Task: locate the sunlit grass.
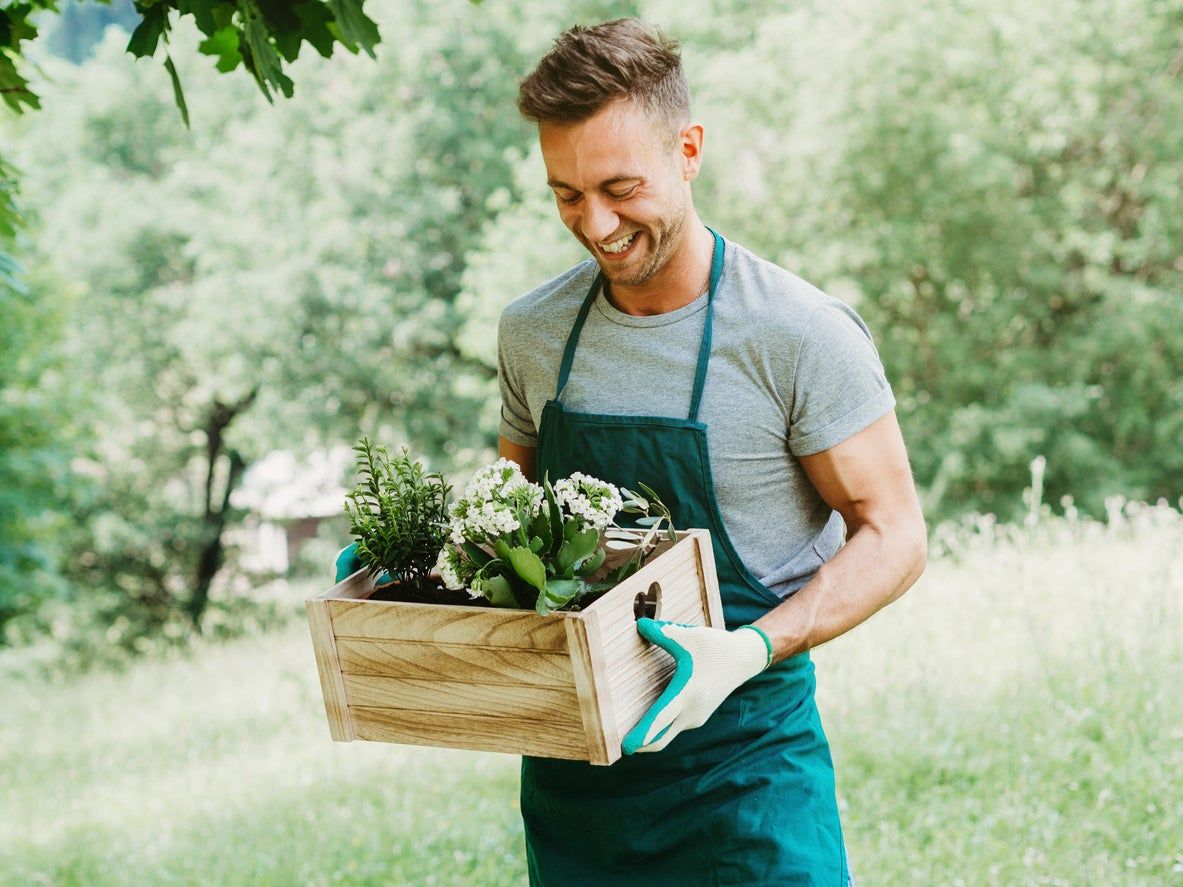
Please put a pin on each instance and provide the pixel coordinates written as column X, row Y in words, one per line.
column 1015, row 719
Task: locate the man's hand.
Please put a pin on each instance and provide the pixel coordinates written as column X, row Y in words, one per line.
column 709, row 664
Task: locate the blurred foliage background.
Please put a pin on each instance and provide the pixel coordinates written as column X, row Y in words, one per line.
column 996, row 188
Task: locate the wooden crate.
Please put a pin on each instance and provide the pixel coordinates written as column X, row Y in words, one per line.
column 565, row 685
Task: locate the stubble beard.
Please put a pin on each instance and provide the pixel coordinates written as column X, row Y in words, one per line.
column 664, row 237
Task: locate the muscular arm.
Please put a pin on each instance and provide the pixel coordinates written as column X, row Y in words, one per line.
column 524, row 456
column 867, row 480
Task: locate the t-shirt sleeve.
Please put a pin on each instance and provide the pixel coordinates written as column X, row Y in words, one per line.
column 839, row 387
column 516, row 424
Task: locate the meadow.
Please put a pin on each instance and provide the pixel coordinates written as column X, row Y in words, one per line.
column 1015, row 719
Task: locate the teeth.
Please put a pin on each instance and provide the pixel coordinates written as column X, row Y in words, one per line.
column 619, row 246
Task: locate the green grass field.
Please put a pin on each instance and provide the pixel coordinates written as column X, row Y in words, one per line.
column 1016, row 719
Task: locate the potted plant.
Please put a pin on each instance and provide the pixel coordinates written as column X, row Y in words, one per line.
column 398, row 515
column 533, row 546
column 542, row 656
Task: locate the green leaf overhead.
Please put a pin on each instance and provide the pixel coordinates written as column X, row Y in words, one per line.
column 223, row 45
column 356, row 27
column 178, row 94
column 146, row 37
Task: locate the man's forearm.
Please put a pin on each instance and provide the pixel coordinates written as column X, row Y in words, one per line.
column 876, row 566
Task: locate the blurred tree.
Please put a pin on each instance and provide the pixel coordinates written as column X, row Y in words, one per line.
column 998, row 193
column 260, row 36
column 32, row 424
column 277, row 278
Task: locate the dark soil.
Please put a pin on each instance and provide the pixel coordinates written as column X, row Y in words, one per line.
column 435, row 592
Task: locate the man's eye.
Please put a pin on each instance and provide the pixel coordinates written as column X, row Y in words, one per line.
column 622, row 195
column 568, row 198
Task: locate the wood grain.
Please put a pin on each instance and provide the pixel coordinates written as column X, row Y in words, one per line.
column 456, row 662
column 638, row 671
column 358, row 585
column 567, row 685
column 453, row 697
column 518, row 629
column 595, row 697
column 509, row 735
column 712, row 603
column 328, row 667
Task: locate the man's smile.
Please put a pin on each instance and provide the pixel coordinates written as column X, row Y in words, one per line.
column 617, row 248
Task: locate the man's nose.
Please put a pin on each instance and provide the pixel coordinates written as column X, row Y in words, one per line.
column 599, row 221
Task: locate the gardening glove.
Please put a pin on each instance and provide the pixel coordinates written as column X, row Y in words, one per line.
column 348, row 563
column 709, row 663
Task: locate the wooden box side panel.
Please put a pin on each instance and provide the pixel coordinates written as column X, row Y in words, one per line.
column 328, row 666
column 355, row 586
column 595, row 694
column 402, row 695
column 455, row 662
column 541, row 738
column 463, row 696
column 445, row 624
column 636, row 670
column 712, row 602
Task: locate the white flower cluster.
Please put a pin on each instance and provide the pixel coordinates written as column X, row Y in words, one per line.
column 449, row 567
column 589, row 498
column 494, row 503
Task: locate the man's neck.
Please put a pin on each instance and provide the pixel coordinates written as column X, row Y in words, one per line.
column 683, row 279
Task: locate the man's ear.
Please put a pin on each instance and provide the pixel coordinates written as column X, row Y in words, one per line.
column 690, row 146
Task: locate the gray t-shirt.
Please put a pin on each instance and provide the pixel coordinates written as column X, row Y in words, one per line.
column 792, row 372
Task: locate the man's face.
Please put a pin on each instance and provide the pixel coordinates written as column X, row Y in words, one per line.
column 622, row 188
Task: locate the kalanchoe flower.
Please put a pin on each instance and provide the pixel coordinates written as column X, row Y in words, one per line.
column 450, row 568
column 591, row 499
column 497, row 501
column 516, row 544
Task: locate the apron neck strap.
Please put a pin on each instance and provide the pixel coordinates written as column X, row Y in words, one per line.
column 704, row 348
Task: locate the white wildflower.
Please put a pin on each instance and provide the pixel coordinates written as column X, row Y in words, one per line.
column 448, row 564
column 496, row 501
column 589, row 498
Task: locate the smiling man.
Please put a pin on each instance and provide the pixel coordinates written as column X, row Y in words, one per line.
column 756, row 406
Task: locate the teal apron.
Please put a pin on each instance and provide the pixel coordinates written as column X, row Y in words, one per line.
column 747, row 798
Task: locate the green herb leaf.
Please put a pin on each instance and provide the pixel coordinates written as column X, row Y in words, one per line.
column 524, row 562
column 540, row 527
column 476, row 554
column 558, row 593
column 499, row 592
column 580, row 546
column 556, row 516
column 593, row 563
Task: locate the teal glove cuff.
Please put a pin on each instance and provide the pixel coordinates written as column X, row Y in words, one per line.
column 348, row 563
column 767, row 641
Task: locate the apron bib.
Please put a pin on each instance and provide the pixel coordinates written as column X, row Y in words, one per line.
column 746, row 799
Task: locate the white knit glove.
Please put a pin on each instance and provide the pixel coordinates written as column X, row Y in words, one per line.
column 709, row 663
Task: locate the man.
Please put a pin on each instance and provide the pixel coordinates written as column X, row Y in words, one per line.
column 756, row 406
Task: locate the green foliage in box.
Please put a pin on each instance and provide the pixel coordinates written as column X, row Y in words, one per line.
column 399, row 515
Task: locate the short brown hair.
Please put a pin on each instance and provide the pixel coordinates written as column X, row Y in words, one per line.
column 591, row 67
